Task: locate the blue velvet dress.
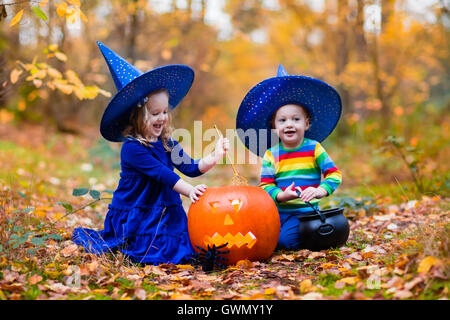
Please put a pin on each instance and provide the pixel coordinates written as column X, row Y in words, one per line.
column 146, row 220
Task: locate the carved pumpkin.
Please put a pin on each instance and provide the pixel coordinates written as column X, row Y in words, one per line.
column 245, row 217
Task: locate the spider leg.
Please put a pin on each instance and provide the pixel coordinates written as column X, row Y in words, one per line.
column 201, row 249
column 222, row 246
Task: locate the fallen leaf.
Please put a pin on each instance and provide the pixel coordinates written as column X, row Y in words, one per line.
column 185, row 266
column 35, row 278
column 140, row 293
column 15, row 287
column 344, row 281
column 355, row 256
column 69, row 250
column 177, row 296
column 428, row 262
column 314, row 255
column 244, row 264
column 306, row 286
column 312, row 296
column 411, row 284
column 403, row 294
column 270, row 291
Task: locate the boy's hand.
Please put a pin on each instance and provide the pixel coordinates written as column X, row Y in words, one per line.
column 288, row 194
column 222, row 146
column 196, row 192
column 313, row 193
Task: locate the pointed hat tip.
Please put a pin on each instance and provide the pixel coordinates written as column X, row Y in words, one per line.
column 281, row 72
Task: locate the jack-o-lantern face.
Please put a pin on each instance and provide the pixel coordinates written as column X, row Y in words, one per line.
column 244, row 217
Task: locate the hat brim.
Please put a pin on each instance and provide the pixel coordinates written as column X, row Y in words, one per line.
column 176, row 79
column 320, row 99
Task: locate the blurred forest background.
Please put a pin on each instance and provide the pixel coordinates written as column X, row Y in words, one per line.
column 388, row 59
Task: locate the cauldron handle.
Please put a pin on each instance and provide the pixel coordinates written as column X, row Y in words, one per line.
column 321, row 216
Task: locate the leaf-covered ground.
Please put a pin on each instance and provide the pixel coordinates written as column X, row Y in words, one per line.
column 396, row 249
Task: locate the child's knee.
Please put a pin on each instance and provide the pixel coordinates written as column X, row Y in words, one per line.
column 289, row 235
column 290, row 242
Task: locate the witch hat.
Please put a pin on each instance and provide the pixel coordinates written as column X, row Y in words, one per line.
column 133, row 86
column 320, row 99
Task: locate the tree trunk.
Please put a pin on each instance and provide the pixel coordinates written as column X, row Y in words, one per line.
column 342, row 52
column 379, row 91
column 361, row 50
column 387, row 11
column 134, row 26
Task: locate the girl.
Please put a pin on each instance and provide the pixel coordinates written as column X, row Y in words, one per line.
column 146, row 220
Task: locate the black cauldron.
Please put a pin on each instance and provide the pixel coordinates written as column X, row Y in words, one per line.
column 323, row 229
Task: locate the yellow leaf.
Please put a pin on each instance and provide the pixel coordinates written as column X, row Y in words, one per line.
column 16, row 18
column 53, row 47
column 350, row 280
column 428, row 262
column 15, row 74
column 100, row 291
column 306, row 286
column 327, row 265
column 185, row 266
column 71, row 15
column 90, row 92
column 61, row 9
column 270, row 291
column 75, row 3
column 61, row 56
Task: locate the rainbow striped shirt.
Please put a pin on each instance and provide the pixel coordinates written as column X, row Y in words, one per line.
column 304, row 166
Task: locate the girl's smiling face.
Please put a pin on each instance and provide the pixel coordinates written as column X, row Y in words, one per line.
column 291, row 122
column 157, row 114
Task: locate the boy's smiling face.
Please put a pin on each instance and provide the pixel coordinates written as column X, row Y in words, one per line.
column 291, row 122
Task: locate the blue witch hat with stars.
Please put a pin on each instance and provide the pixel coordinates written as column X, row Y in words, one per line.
column 320, row 99
column 133, row 86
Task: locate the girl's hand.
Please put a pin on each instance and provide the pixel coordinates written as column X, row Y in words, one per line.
column 313, row 193
column 196, row 192
column 222, row 146
column 288, row 194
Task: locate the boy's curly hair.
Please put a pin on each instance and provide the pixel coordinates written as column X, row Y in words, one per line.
column 138, row 121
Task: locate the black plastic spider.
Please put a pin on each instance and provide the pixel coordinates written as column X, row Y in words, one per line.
column 210, row 258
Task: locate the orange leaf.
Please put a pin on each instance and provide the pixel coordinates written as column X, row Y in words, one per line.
column 16, row 18
column 69, row 250
column 15, row 74
column 35, row 278
column 244, row 264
